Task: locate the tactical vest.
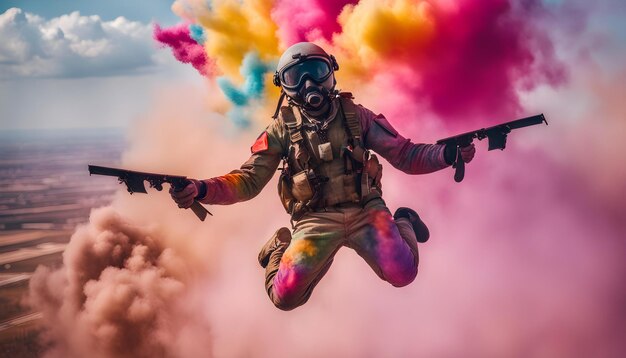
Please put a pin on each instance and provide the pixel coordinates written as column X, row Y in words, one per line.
column 326, row 168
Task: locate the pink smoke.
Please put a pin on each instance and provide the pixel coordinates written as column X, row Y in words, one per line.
column 307, row 20
column 184, row 48
column 484, row 53
column 481, row 56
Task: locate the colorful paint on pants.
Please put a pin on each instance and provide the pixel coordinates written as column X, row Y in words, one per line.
column 390, row 248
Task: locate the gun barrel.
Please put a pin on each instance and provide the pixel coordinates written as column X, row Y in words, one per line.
column 466, row 138
column 462, row 139
column 98, row 170
column 524, row 122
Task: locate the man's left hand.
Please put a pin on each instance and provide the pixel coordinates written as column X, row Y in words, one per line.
column 467, row 153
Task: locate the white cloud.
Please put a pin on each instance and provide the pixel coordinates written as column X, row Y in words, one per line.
column 73, row 45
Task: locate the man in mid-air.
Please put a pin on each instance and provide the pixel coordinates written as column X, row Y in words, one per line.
column 330, row 182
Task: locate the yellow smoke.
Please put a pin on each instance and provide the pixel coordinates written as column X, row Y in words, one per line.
column 382, row 30
column 189, row 10
column 235, row 28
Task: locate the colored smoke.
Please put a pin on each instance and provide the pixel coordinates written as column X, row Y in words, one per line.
column 233, row 29
column 461, row 60
column 253, row 71
column 307, row 20
column 185, row 48
column 197, row 33
column 458, row 61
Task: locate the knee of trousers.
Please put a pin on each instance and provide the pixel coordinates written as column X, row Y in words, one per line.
column 287, row 303
column 403, row 277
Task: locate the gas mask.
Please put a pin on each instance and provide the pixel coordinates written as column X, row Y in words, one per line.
column 308, row 82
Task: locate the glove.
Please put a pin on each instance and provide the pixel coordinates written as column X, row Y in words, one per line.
column 185, row 197
column 467, row 153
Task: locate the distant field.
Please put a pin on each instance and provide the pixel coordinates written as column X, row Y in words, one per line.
column 45, row 191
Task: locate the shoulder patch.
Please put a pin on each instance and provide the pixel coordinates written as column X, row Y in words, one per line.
column 386, row 126
column 261, row 144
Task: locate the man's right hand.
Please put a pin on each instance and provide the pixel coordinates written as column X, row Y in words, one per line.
column 185, row 197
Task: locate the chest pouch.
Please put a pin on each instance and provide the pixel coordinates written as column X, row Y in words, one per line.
column 325, row 152
column 372, row 175
column 302, row 188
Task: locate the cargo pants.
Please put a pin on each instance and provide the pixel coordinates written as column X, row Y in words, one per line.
column 388, row 246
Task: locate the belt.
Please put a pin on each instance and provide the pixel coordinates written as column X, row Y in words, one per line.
column 346, row 205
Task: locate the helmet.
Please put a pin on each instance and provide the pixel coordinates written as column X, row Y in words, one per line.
column 306, row 61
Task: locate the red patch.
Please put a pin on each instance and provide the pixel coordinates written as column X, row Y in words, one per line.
column 261, row 144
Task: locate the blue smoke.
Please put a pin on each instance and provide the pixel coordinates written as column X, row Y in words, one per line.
column 240, row 116
column 253, row 71
column 197, row 33
column 234, row 94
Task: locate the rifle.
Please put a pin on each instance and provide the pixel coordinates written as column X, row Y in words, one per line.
column 135, row 183
column 496, row 135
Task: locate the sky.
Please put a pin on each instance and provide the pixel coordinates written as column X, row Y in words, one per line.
column 525, row 256
column 77, row 64
column 141, row 10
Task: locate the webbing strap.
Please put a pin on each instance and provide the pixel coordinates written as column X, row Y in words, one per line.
column 293, row 125
column 354, row 127
column 293, row 122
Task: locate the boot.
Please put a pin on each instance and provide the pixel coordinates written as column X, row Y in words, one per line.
column 281, row 237
column 421, row 231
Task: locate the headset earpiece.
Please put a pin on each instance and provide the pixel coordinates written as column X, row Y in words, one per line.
column 276, row 79
column 334, row 63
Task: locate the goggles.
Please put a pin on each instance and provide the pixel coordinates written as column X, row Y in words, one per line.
column 295, row 75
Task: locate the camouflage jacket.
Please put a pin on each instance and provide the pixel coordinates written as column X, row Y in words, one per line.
column 273, row 144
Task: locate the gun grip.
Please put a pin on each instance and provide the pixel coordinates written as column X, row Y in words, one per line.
column 459, row 166
column 199, row 210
